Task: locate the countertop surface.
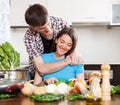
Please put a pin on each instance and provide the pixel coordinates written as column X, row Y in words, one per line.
column 24, row 100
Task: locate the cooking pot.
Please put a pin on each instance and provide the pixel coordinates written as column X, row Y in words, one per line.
column 18, row 74
column 12, row 81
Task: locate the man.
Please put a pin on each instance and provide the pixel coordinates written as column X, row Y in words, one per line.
column 40, row 36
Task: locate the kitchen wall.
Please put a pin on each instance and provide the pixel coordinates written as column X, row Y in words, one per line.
column 96, row 44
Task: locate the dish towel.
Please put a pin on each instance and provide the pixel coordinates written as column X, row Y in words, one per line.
column 4, row 20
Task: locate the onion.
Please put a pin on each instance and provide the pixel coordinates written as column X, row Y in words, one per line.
column 80, row 86
column 62, row 88
column 51, row 88
column 28, row 89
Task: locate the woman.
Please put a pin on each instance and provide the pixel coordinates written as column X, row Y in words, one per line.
column 65, row 44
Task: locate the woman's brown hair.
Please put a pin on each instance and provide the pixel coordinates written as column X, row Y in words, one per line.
column 69, row 31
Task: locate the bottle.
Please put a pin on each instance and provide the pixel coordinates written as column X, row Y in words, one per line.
column 95, row 89
column 105, row 70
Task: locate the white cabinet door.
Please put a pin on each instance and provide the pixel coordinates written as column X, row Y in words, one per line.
column 59, row 8
column 18, row 8
column 89, row 10
column 75, row 11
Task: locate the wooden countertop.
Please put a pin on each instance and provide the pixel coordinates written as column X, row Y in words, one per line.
column 24, row 100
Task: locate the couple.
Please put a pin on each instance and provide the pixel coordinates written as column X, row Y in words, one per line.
column 44, row 30
column 64, row 45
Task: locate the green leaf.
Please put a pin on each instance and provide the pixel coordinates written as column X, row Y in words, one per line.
column 1, row 52
column 5, row 63
column 75, row 97
column 9, row 57
column 70, row 83
column 47, row 97
column 3, row 96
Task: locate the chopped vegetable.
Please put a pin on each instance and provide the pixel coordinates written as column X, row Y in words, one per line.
column 115, row 90
column 61, row 81
column 9, row 57
column 76, row 96
column 70, row 83
column 47, row 97
column 3, row 96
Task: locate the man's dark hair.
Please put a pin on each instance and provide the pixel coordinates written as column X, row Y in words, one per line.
column 36, row 15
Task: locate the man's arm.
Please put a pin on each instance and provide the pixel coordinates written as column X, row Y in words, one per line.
column 37, row 79
column 49, row 67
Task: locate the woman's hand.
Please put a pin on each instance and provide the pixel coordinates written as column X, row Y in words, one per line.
column 51, row 80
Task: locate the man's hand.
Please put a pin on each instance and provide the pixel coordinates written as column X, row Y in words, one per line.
column 68, row 60
column 75, row 59
column 51, row 80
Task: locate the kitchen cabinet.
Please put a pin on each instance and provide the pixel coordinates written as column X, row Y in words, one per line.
column 18, row 8
column 81, row 11
column 75, row 11
column 115, row 19
column 90, row 11
column 59, row 8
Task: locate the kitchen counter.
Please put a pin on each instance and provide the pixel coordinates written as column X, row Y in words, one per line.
column 24, row 100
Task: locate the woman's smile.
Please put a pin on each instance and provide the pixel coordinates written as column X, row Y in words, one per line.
column 64, row 44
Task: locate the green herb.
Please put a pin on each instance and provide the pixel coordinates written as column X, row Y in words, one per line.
column 115, row 90
column 76, row 97
column 70, row 83
column 61, row 81
column 3, row 96
column 47, row 97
